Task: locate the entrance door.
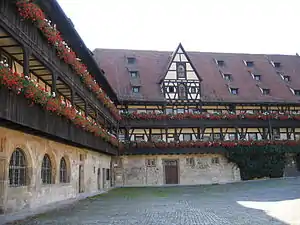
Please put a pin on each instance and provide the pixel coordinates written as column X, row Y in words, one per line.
column 81, row 179
column 171, row 171
column 98, row 179
column 103, row 178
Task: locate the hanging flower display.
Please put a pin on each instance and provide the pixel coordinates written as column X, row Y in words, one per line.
column 31, row 11
column 31, row 90
column 201, row 144
column 211, row 116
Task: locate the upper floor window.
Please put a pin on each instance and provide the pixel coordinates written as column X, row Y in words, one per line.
column 181, row 91
column 265, row 91
column 296, row 92
column 249, row 63
column 256, row 77
column 286, row 78
column 276, row 64
column 234, row 91
column 135, row 89
column 181, row 73
column 171, row 89
column 131, row 60
column 220, row 63
column 227, row 76
column 133, row 74
column 17, row 169
column 193, row 90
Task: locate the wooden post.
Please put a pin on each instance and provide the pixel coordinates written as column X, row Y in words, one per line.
column 26, row 56
column 73, row 93
column 54, row 79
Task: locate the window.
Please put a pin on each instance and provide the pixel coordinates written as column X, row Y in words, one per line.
column 17, row 169
column 169, row 111
column 266, row 91
column 46, row 172
column 217, row 136
column 227, row 76
column 63, row 175
column 107, row 174
column 231, row 136
column 252, row 136
column 276, row 133
column 234, row 91
column 171, row 89
column 135, row 89
column 286, row 78
column 180, row 110
column 296, row 92
column 215, row 160
column 181, row 91
column 256, row 77
column 193, row 90
column 249, row 63
column 187, row 137
column 277, row 64
column 139, row 137
column 156, row 137
column 190, row 162
column 131, row 60
column 133, row 74
column 220, row 63
column 150, row 162
column 180, row 70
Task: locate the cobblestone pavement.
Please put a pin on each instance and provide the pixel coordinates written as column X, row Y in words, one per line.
column 254, row 203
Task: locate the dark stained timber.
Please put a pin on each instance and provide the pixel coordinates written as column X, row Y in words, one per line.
column 187, row 123
column 16, row 113
column 25, row 33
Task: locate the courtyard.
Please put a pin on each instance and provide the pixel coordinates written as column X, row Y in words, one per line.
column 259, row 202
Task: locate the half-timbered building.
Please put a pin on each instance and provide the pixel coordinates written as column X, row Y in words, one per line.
column 58, row 121
column 203, row 118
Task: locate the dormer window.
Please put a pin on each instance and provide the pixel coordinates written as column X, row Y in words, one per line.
column 249, row 63
column 296, row 92
column 220, row 63
column 265, row 91
column 227, row 76
column 131, row 60
column 256, row 77
column 234, row 91
column 135, row 89
column 133, row 74
column 181, row 73
column 286, row 78
column 276, row 64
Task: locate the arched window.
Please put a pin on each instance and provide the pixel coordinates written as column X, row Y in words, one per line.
column 181, row 91
column 63, row 172
column 46, row 173
column 17, row 169
column 180, row 71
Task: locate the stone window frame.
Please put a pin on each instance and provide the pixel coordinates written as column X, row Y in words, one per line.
column 215, row 160
column 18, row 167
column 150, row 162
column 63, row 171
column 190, row 161
column 47, row 170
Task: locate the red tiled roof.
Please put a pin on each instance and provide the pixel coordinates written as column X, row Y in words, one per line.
column 152, row 66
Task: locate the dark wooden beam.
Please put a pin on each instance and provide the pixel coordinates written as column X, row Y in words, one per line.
column 26, row 56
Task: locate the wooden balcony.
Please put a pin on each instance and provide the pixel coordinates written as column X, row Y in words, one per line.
column 27, row 35
column 188, row 123
column 16, row 113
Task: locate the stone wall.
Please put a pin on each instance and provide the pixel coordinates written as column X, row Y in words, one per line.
column 36, row 193
column 192, row 170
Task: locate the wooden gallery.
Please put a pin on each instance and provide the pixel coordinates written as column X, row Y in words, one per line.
column 74, row 121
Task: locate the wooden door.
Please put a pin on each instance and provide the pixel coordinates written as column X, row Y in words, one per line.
column 81, row 179
column 171, row 171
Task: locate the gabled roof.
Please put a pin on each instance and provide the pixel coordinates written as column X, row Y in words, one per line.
column 152, row 66
column 172, row 59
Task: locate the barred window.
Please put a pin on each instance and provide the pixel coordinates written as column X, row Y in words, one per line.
column 17, row 169
column 46, row 173
column 63, row 173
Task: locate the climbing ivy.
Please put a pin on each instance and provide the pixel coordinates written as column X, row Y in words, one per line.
column 260, row 161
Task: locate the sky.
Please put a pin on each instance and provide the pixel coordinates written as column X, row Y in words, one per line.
column 238, row 26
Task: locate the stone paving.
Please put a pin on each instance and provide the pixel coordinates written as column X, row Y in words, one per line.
column 250, row 203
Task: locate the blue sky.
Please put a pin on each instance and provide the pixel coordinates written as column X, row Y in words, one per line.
column 246, row 26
